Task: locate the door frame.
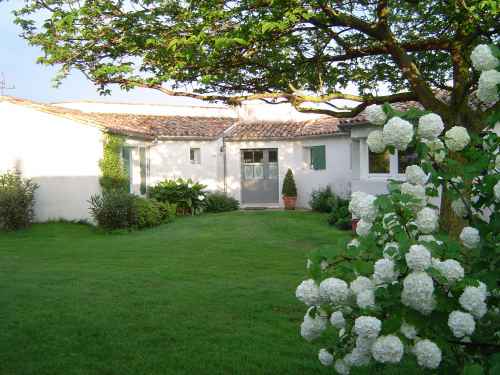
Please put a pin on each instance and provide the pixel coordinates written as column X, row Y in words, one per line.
column 265, row 172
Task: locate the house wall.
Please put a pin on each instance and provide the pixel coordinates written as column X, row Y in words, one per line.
column 291, row 154
column 171, row 160
column 59, row 154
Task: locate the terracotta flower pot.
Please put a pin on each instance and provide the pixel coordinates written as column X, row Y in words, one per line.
column 289, row 202
column 354, row 224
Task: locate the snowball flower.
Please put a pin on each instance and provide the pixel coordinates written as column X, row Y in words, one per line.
column 353, row 243
column 354, row 204
column 418, row 289
column 416, row 175
column 391, row 250
column 375, row 142
column 337, row 319
column 416, row 191
column 459, row 208
column 398, row 133
column 308, row 292
column 483, row 59
column 408, row 331
column 487, row 90
column 451, row 270
column 201, row 197
column 367, row 326
column 427, row 220
column 325, row 357
column 363, row 228
column 358, row 357
column 457, row 138
column 430, row 126
column 311, row 328
column 341, row 367
column 366, row 209
column 418, row 258
column 375, row 114
column 334, row 290
column 361, row 283
column 470, row 237
column 461, row 324
column 436, row 150
column 428, row 354
column 384, row 272
column 388, row 349
column 473, row 301
column 366, row 299
column 496, row 190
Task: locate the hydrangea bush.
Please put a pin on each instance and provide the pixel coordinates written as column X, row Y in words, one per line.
column 396, row 295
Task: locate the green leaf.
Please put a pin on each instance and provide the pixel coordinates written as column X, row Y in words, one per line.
column 473, row 369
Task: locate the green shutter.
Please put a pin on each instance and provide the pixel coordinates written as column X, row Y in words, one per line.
column 318, row 157
column 126, row 164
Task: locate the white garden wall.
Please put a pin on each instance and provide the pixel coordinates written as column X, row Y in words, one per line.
column 59, row 154
column 291, row 154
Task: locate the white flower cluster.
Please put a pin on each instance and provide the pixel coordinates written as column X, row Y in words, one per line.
column 430, row 126
column 473, row 300
column 337, row 320
column 363, row 228
column 356, row 198
column 461, row 324
column 334, row 291
column 408, row 331
column 398, row 133
column 427, row 220
column 451, row 270
column 487, row 90
column 375, row 141
column 384, row 272
column 388, row 349
column 418, row 258
column 375, row 114
column 483, row 59
column 311, row 328
column 418, row 292
column 436, row 150
column 459, row 208
column 428, row 354
column 308, row 292
column 362, row 206
column 367, row 327
column 325, row 357
column 470, row 237
column 416, row 191
column 457, row 138
column 416, row 175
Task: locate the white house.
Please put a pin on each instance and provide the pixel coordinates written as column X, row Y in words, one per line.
column 244, row 152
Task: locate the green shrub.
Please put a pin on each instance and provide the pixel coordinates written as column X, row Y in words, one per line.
column 17, row 200
column 167, row 211
column 340, row 216
column 113, row 209
column 289, row 188
column 323, row 200
column 221, row 202
column 186, row 194
column 146, row 213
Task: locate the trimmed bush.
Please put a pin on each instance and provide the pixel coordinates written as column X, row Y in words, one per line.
column 186, row 194
column 17, row 201
column 289, row 188
column 146, row 213
column 221, row 202
column 323, row 200
column 113, row 209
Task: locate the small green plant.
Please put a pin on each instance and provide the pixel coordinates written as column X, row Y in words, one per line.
column 113, row 175
column 221, row 202
column 186, row 194
column 340, row 216
column 289, row 188
column 323, row 200
column 17, row 200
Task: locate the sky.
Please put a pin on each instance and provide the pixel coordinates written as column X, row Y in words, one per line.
column 34, row 81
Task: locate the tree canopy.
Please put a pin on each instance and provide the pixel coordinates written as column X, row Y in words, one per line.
column 301, row 51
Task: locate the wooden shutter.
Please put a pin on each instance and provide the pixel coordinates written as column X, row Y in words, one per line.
column 318, row 157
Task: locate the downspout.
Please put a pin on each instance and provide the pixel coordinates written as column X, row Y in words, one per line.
column 224, row 154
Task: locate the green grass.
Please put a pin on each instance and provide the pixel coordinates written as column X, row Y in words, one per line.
column 205, row 295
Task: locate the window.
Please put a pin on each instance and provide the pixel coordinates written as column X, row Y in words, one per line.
column 317, row 157
column 406, row 158
column 143, row 166
column 379, row 163
column 195, row 155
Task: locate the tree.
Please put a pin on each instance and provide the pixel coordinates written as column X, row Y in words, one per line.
column 304, row 52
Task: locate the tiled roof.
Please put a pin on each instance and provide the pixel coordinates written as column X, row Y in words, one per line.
column 144, row 126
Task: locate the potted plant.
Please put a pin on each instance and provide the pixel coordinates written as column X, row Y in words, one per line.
column 289, row 191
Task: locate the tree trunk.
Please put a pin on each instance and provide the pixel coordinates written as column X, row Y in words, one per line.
column 449, row 223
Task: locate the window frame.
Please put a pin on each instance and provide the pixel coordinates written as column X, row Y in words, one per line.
column 308, row 157
column 196, row 153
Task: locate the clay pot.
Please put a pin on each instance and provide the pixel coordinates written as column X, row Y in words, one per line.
column 289, row 202
column 354, row 224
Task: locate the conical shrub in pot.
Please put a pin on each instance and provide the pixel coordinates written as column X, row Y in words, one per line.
column 289, row 191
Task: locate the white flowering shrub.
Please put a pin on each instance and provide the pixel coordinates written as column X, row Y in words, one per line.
column 401, row 293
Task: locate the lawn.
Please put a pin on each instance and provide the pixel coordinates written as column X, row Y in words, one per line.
column 204, row 295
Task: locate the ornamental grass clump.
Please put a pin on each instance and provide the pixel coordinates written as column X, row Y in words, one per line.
column 396, row 295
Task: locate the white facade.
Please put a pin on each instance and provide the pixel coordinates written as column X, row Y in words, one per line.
column 293, row 154
column 59, row 154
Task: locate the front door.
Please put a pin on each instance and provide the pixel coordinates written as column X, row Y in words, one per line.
column 259, row 176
